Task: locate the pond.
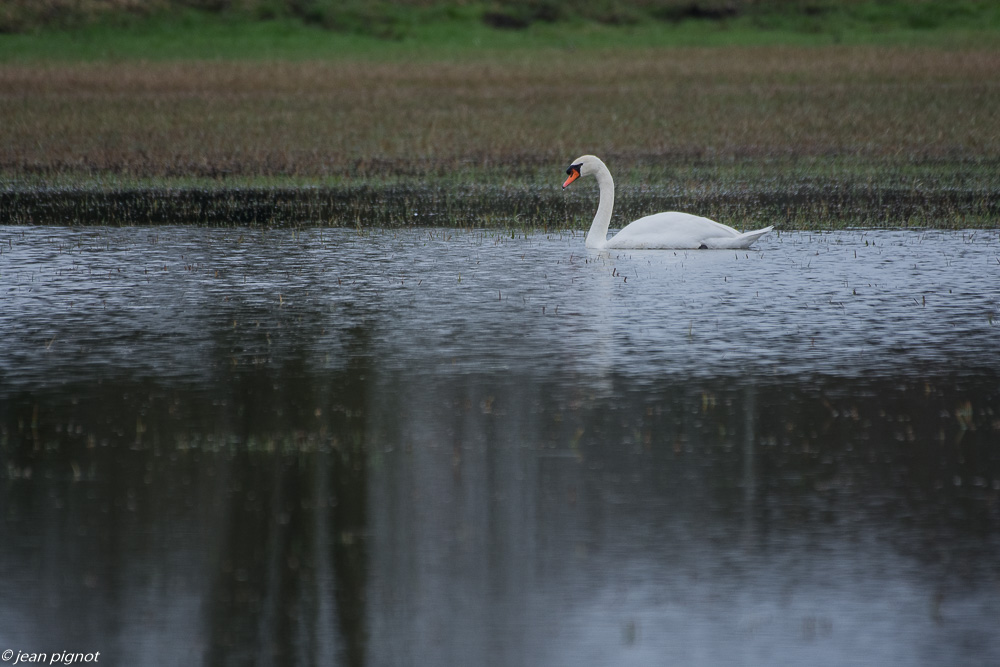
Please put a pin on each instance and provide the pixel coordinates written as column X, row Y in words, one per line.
column 449, row 447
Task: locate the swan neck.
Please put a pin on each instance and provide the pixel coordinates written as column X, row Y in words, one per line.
column 597, row 237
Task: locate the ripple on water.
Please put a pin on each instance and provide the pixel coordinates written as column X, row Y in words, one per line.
column 179, row 300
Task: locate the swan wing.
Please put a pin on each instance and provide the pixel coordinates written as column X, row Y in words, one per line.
column 681, row 231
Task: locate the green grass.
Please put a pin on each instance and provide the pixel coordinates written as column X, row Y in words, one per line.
column 440, row 31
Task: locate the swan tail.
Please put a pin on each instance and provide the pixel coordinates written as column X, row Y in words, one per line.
column 744, row 240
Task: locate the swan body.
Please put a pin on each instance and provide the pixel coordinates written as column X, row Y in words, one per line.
column 660, row 230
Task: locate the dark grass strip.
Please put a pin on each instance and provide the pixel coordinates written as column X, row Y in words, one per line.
column 807, row 206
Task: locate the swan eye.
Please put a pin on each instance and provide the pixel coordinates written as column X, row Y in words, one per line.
column 573, row 168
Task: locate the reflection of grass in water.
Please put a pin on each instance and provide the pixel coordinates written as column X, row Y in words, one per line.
column 718, row 131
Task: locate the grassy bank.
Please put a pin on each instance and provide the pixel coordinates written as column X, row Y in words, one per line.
column 805, row 136
column 195, row 37
column 389, row 29
column 732, row 132
column 362, row 119
column 789, row 203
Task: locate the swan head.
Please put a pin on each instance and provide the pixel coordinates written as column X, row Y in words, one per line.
column 585, row 165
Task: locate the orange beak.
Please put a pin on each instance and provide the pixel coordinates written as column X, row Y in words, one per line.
column 574, row 174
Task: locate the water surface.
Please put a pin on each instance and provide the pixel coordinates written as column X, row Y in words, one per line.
column 445, row 447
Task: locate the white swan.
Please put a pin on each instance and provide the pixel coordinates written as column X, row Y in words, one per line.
column 660, row 230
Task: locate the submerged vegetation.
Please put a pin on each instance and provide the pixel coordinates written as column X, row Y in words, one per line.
column 274, row 112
